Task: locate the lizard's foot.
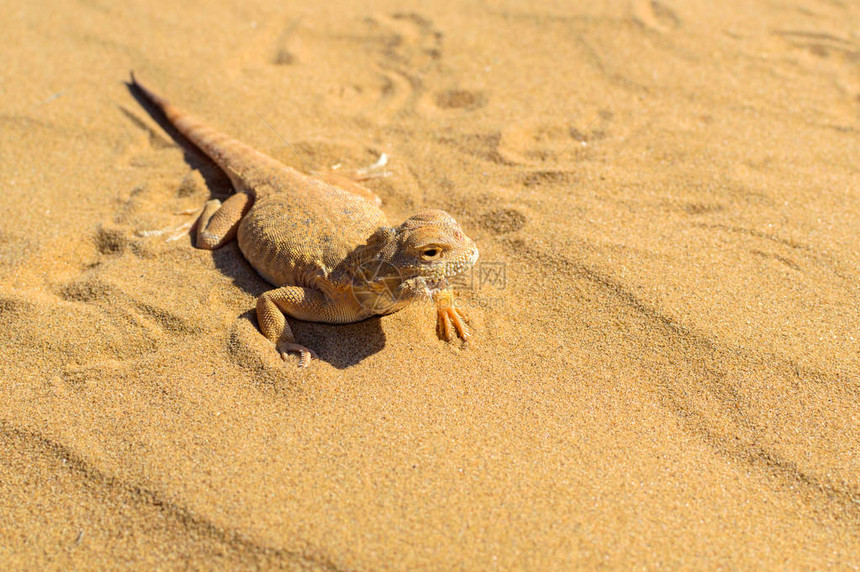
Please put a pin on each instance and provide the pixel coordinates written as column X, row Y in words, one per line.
column 450, row 319
column 305, row 354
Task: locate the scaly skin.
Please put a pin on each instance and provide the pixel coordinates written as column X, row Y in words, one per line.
column 328, row 251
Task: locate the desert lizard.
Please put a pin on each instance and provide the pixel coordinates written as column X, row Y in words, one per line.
column 328, row 251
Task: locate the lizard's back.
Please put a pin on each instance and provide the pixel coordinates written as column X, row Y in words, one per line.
column 300, row 227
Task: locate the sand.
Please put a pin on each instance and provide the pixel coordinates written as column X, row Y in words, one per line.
column 665, row 370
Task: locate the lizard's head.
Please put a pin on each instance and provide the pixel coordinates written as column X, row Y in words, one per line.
column 432, row 246
column 417, row 259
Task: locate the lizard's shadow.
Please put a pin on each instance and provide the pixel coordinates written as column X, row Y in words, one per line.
column 325, row 339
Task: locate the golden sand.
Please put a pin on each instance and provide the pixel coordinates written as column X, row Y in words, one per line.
column 666, row 366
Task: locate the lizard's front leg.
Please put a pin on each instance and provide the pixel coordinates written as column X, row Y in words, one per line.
column 298, row 302
column 218, row 222
column 450, row 318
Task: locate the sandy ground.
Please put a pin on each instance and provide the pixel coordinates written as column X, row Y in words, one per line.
column 665, row 366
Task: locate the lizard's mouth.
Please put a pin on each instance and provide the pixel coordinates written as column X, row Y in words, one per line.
column 434, row 287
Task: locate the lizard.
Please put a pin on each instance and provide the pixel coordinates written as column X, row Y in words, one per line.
column 328, row 251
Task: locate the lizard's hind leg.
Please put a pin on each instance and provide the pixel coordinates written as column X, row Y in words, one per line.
column 298, row 302
column 218, row 222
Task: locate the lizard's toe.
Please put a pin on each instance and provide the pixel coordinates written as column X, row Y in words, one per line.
column 443, row 326
column 461, row 324
column 305, row 354
column 451, row 321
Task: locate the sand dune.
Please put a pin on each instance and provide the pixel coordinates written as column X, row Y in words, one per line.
column 666, row 366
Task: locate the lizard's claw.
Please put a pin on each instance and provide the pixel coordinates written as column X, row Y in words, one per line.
column 450, row 319
column 305, row 354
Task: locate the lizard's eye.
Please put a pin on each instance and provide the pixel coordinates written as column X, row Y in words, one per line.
column 431, row 252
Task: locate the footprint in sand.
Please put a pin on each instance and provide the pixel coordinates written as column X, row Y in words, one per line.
column 451, row 102
column 655, row 16
column 409, row 47
column 503, row 220
column 820, row 44
column 411, row 42
column 460, row 99
column 838, row 58
column 548, row 144
column 402, row 48
column 289, row 45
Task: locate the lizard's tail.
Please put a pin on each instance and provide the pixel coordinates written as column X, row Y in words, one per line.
column 233, row 156
column 172, row 113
